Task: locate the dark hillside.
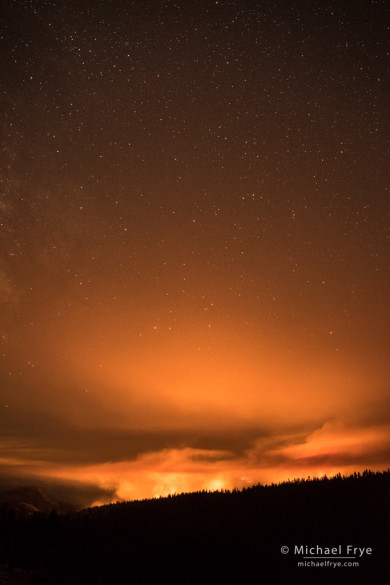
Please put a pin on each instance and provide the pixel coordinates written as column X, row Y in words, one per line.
column 31, row 499
column 219, row 537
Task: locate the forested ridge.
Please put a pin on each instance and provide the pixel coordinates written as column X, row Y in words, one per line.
column 208, row 537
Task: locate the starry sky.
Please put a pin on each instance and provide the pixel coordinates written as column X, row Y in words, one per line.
column 194, row 243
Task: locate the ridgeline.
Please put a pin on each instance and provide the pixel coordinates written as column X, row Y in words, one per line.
column 313, row 531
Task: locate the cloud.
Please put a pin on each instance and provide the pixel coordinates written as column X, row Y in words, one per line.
column 332, row 448
column 56, row 440
column 340, row 444
column 139, row 436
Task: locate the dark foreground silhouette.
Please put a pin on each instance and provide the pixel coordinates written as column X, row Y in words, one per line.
column 203, row 538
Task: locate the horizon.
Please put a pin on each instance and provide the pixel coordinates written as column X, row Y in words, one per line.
column 367, row 473
column 53, row 493
column 295, row 480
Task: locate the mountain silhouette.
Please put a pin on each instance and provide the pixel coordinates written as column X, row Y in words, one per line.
column 32, row 499
column 273, row 535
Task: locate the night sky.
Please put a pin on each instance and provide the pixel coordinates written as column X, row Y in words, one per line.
column 195, row 221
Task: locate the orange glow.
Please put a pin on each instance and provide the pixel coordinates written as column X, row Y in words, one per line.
column 329, row 450
column 173, row 415
column 249, row 382
column 194, row 276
